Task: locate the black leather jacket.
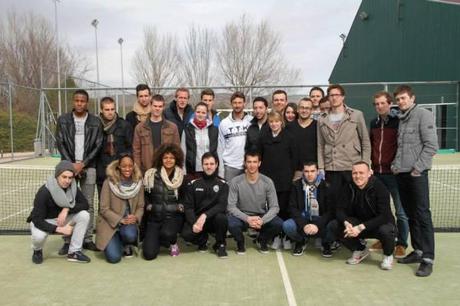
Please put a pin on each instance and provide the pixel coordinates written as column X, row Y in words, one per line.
column 65, row 138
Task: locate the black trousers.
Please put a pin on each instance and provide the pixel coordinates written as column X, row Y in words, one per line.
column 160, row 234
column 386, row 234
column 283, row 202
column 337, row 180
column 217, row 224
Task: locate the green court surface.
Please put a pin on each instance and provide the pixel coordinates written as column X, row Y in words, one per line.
column 202, row 279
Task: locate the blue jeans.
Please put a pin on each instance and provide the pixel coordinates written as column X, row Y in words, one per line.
column 268, row 231
column 126, row 235
column 290, row 229
column 415, row 198
column 402, row 221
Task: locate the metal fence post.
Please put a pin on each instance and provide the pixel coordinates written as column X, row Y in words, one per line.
column 10, row 106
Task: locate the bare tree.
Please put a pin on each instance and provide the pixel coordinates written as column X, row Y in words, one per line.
column 249, row 54
column 28, row 45
column 156, row 62
column 197, row 57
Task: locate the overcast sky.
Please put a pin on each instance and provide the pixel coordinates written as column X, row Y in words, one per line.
column 309, row 29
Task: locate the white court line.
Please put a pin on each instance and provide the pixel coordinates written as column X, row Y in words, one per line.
column 15, row 214
column 12, row 191
column 446, row 185
column 286, row 281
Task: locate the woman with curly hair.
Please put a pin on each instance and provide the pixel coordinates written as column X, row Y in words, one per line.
column 121, row 209
column 164, row 211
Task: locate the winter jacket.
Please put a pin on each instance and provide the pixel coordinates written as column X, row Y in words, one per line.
column 279, row 158
column 170, row 113
column 195, row 142
column 161, row 202
column 370, row 205
column 112, row 209
column 297, row 205
column 65, row 138
column 417, row 141
column 143, row 150
column 338, row 150
column 232, row 138
column 253, row 135
column 123, row 143
column 384, row 142
column 45, row 208
column 206, row 195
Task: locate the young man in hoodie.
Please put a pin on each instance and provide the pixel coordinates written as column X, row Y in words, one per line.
column 205, row 206
column 60, row 208
column 417, row 144
column 364, row 212
column 232, row 138
column 179, row 111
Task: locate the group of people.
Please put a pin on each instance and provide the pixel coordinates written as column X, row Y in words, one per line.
column 310, row 171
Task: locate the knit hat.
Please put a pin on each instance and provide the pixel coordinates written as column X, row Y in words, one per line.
column 64, row 165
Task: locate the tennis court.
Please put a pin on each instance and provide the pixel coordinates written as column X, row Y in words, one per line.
column 193, row 278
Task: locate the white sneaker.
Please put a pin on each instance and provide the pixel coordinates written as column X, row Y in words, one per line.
column 357, row 257
column 387, row 262
column 277, row 243
column 287, row 245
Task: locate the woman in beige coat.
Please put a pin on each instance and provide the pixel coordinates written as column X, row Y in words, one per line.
column 121, row 209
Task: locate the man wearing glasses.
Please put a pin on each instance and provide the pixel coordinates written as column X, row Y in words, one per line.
column 342, row 139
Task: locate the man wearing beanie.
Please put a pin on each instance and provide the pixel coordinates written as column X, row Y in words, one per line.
column 79, row 137
column 205, row 205
column 60, row 208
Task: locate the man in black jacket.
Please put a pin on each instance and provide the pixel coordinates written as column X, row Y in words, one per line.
column 59, row 208
column 141, row 108
column 117, row 139
column 258, row 124
column 79, row 137
column 205, row 206
column 310, row 209
column 179, row 111
column 364, row 212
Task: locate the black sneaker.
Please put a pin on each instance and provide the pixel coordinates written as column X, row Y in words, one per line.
column 203, row 248
column 128, row 252
column 78, row 256
column 413, row 257
column 335, row 246
column 37, row 257
column 299, row 247
column 326, row 251
column 89, row 245
column 240, row 248
column 221, row 251
column 425, row 269
column 64, row 249
column 263, row 247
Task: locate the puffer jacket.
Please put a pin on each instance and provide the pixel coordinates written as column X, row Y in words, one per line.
column 161, row 202
column 417, row 141
column 65, row 138
column 338, row 150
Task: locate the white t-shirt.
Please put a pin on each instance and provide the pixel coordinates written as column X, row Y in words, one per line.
column 79, row 136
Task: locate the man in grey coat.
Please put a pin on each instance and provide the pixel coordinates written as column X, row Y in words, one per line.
column 417, row 144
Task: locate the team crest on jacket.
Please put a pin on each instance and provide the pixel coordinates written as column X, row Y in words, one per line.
column 215, row 188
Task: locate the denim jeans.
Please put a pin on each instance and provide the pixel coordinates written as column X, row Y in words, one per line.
column 126, row 235
column 268, row 231
column 415, row 199
column 290, row 229
column 402, row 221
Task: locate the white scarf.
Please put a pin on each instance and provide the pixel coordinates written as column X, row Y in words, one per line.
column 174, row 184
column 125, row 192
